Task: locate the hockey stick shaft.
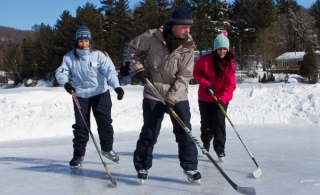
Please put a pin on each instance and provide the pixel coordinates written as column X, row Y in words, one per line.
column 243, row 190
column 112, row 179
column 234, row 128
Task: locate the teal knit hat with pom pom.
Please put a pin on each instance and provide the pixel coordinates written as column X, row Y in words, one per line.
column 221, row 41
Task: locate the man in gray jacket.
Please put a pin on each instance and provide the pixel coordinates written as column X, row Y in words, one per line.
column 169, row 67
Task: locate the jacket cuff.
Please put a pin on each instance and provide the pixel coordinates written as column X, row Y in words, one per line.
column 171, row 102
column 223, row 100
column 138, row 70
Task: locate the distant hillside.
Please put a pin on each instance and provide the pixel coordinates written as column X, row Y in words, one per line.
column 12, row 35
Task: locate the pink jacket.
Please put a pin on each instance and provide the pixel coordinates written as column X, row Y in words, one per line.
column 205, row 76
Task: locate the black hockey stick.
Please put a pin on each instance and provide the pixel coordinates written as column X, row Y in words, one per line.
column 112, row 179
column 242, row 190
column 257, row 173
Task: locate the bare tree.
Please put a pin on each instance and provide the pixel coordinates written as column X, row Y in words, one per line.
column 13, row 61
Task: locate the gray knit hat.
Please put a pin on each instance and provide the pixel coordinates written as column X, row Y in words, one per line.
column 82, row 33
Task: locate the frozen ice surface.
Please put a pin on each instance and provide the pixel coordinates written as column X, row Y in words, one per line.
column 287, row 154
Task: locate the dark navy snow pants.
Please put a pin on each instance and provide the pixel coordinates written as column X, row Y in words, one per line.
column 101, row 107
column 153, row 113
column 213, row 125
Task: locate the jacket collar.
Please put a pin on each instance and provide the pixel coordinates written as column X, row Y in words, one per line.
column 83, row 52
column 188, row 44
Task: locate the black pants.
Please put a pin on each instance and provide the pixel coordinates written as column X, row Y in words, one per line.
column 153, row 113
column 213, row 125
column 101, row 106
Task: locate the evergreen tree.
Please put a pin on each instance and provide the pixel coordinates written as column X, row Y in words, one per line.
column 29, row 56
column 64, row 35
column 315, row 12
column 91, row 17
column 285, row 5
column 43, row 40
column 221, row 14
column 308, row 67
column 264, row 13
column 164, row 12
column 151, row 14
column 118, row 28
column 243, row 14
column 145, row 17
column 179, row 3
column 210, row 17
column 205, row 23
column 109, row 11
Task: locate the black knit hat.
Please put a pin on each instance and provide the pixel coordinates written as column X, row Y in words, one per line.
column 180, row 16
column 82, row 33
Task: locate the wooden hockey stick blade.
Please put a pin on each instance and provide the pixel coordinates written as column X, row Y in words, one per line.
column 114, row 181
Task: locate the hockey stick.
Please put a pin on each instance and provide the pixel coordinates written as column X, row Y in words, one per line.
column 257, row 173
column 242, row 190
column 112, row 179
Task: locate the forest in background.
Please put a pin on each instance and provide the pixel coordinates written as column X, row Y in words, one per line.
column 259, row 31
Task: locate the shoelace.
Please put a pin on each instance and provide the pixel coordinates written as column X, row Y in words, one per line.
column 143, row 171
column 221, row 155
column 192, row 172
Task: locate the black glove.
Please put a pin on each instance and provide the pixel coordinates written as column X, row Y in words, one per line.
column 168, row 106
column 69, row 88
column 120, row 92
column 220, row 102
column 210, row 90
column 142, row 76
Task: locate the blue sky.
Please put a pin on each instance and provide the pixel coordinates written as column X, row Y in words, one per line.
column 23, row 14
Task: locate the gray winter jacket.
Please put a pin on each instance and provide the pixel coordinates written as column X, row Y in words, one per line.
column 169, row 73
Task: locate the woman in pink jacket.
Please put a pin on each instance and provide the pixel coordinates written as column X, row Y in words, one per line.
column 215, row 72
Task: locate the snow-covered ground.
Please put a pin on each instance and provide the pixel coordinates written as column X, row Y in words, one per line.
column 278, row 122
column 34, row 112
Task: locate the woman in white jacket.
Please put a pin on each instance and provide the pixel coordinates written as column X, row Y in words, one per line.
column 90, row 70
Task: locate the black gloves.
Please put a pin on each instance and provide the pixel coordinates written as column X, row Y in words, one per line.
column 210, row 90
column 69, row 88
column 168, row 106
column 142, row 76
column 120, row 92
column 220, row 102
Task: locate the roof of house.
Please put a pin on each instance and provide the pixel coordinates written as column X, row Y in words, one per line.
column 293, row 55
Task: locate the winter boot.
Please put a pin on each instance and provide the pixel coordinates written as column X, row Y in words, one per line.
column 111, row 155
column 142, row 175
column 193, row 176
column 76, row 161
